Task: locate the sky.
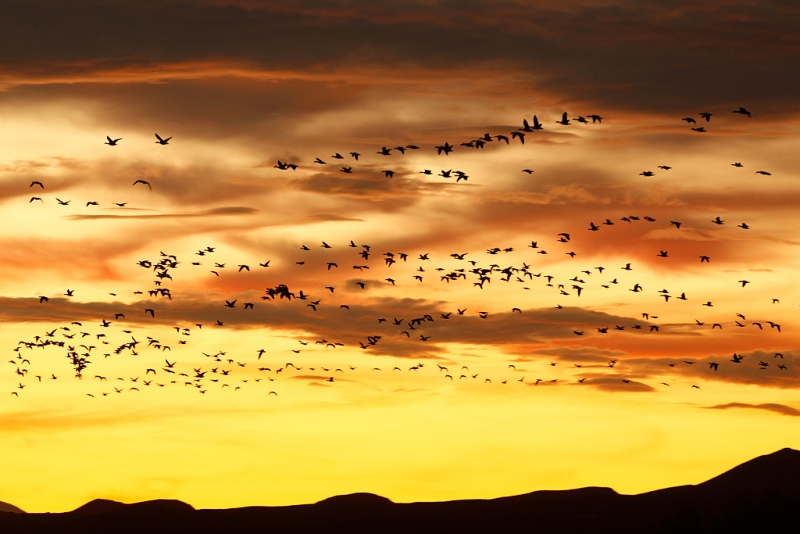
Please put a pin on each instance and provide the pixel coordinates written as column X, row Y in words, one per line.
column 515, row 330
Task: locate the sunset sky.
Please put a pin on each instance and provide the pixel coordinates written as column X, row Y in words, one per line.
column 547, row 399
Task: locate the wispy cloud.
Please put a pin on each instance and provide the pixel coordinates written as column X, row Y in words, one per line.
column 782, row 409
column 230, row 210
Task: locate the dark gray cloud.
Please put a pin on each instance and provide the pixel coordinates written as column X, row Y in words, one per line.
column 770, row 407
column 750, row 370
column 616, row 383
column 329, row 321
column 668, row 56
column 229, row 210
column 579, row 354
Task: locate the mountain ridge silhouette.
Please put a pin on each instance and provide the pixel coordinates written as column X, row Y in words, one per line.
column 759, row 495
column 10, row 508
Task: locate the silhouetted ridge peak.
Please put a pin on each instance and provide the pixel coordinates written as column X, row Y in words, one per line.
column 355, row 500
column 779, row 469
column 99, row 506
column 588, row 492
column 5, row 507
column 172, row 504
column 104, row 506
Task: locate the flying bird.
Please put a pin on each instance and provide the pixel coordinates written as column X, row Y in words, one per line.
column 446, row 148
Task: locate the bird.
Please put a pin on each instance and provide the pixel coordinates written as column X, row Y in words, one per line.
column 485, row 275
column 113, row 142
column 742, row 111
column 162, row 141
column 446, row 148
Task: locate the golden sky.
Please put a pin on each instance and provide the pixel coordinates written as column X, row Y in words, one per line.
column 494, row 390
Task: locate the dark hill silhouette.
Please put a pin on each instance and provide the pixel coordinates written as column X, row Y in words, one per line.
column 761, row 495
column 5, row 507
column 104, row 506
column 768, row 471
column 98, row 506
column 355, row 500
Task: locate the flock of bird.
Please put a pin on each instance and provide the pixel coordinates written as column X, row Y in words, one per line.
column 117, row 336
column 707, row 117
